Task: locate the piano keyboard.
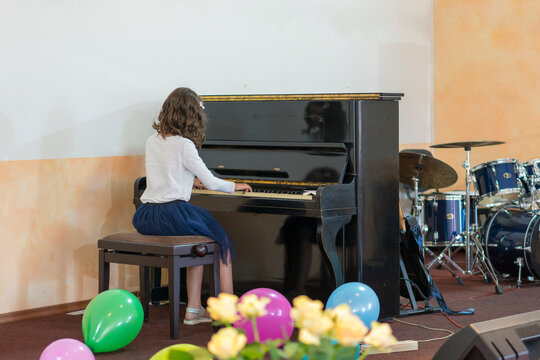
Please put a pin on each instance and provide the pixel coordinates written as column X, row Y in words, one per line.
column 256, row 194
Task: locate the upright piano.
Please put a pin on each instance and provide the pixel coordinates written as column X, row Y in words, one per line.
column 324, row 206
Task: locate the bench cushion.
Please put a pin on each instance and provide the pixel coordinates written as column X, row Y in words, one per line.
column 152, row 244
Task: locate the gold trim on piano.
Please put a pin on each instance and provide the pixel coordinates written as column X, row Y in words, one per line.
column 296, row 183
column 254, row 194
column 309, row 97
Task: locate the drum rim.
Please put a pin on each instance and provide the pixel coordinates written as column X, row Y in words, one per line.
column 531, row 227
column 532, row 162
column 495, row 162
column 521, row 193
column 442, row 196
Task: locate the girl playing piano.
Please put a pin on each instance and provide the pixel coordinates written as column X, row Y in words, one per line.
column 172, row 163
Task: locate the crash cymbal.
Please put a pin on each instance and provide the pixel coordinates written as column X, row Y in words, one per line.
column 430, row 172
column 467, row 144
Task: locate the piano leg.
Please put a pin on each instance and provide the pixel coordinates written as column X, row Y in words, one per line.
column 327, row 229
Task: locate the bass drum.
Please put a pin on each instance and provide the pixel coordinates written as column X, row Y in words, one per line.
column 513, row 233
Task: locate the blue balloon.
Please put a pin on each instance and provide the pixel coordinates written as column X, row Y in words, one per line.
column 362, row 300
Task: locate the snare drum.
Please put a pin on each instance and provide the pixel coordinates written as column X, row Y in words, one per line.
column 513, row 232
column 443, row 218
column 497, row 182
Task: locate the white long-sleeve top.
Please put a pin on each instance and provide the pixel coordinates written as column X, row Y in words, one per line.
column 171, row 166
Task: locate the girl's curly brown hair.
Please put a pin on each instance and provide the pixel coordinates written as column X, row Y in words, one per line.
column 183, row 115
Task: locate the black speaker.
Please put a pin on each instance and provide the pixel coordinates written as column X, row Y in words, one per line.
column 511, row 337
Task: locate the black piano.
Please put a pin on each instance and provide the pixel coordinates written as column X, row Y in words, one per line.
column 324, row 206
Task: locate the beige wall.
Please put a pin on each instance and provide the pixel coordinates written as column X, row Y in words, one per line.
column 486, row 85
column 52, row 214
column 487, row 79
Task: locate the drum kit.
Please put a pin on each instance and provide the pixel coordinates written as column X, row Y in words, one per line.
column 506, row 242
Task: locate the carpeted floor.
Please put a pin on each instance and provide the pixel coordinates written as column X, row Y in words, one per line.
column 27, row 339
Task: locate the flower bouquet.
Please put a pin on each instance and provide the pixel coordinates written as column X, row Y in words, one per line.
column 322, row 334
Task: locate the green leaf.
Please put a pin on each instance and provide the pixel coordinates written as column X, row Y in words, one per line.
column 292, row 348
column 274, row 343
column 274, row 354
column 320, row 353
column 282, row 354
column 345, row 353
column 253, row 351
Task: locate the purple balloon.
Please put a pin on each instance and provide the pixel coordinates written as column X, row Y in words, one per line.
column 67, row 349
column 276, row 324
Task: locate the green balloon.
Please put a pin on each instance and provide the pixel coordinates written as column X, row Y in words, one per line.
column 112, row 320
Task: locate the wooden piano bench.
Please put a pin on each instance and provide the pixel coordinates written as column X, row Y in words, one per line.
column 146, row 251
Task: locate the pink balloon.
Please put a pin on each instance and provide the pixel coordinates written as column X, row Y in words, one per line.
column 67, row 349
column 276, row 324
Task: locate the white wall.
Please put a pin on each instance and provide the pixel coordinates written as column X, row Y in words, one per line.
column 86, row 78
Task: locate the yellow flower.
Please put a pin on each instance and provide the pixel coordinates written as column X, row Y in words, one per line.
column 306, row 337
column 252, row 306
column 339, row 311
column 305, row 309
column 308, row 315
column 227, row 343
column 349, row 329
column 304, row 303
column 223, row 308
column 380, row 336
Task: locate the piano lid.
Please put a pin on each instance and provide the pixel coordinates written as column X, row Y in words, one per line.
column 308, row 97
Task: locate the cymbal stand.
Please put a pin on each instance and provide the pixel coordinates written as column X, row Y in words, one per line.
column 472, row 239
column 467, row 165
column 416, row 207
column 533, row 181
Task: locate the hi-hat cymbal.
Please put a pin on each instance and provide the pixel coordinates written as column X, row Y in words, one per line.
column 430, row 172
column 467, row 144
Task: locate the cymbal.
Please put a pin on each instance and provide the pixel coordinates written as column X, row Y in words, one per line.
column 430, row 172
column 467, row 144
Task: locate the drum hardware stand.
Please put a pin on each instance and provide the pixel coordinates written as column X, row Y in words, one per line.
column 471, row 239
column 519, row 263
column 416, row 207
column 472, row 242
column 443, row 259
column 533, row 181
column 466, row 164
column 417, row 211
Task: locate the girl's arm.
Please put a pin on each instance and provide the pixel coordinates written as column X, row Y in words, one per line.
column 194, row 163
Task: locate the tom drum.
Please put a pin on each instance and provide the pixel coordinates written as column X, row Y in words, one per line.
column 443, row 218
column 497, row 182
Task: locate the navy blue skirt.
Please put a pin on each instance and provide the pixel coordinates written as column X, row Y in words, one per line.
column 178, row 218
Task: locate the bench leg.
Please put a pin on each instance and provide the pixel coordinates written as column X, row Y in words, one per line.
column 174, row 294
column 144, row 289
column 104, row 271
column 217, row 261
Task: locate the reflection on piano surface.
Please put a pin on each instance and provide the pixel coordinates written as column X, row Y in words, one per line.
column 319, row 166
